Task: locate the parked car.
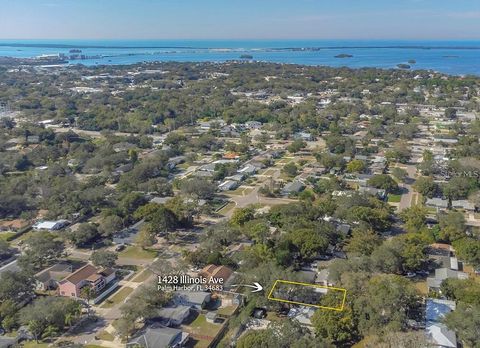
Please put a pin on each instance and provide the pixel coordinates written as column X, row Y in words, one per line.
column 120, row 247
column 411, row 274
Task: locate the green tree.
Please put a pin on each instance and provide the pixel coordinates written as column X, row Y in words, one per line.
column 290, row 169
column 363, row 241
column 399, row 173
column 146, row 236
column 415, row 218
column 465, row 321
column 43, row 248
column 110, row 224
column 468, row 249
column 452, row 226
column 242, row 215
column 356, row 166
column 425, row 186
column 338, row 327
column 83, row 235
column 383, row 181
column 296, row 146
column 309, row 242
column 385, row 304
column 103, row 258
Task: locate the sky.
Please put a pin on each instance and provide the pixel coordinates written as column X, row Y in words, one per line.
column 240, row 19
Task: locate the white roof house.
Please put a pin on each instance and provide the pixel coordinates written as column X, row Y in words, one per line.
column 51, row 225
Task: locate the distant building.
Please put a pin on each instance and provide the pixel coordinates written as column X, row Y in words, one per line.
column 437, row 203
column 228, row 185
column 248, row 170
column 253, row 125
column 12, row 225
column 51, row 225
column 293, row 187
column 304, row 136
column 463, row 204
column 380, row 193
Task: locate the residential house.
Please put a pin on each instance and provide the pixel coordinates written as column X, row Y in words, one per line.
column 213, row 273
column 436, row 331
column 197, row 299
column 173, row 316
column 248, row 170
column 175, row 161
column 213, row 124
column 159, row 337
column 228, row 185
column 303, row 136
column 49, row 278
column 434, row 283
column 302, row 314
column 253, row 125
column 88, row 275
column 12, row 225
column 51, row 225
column 128, row 235
column 236, row 177
column 8, row 342
column 463, row 204
column 380, row 193
column 438, row 203
column 293, row 187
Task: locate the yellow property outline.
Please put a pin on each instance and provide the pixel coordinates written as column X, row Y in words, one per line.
column 339, row 309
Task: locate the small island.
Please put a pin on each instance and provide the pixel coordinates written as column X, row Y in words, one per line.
column 403, row 66
column 246, row 56
column 412, row 61
column 343, row 55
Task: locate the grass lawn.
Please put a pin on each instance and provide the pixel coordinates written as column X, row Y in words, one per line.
column 5, row 235
column 422, row 287
column 394, row 198
column 228, row 311
column 268, row 171
column 227, row 208
column 32, row 344
column 117, row 298
column 142, row 276
column 105, row 336
column 136, row 252
column 200, row 326
column 237, row 192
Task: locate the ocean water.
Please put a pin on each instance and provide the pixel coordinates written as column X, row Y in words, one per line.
column 450, row 57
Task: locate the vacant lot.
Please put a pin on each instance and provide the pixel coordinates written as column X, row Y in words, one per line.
column 136, row 252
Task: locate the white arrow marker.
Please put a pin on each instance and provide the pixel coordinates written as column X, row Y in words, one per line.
column 255, row 286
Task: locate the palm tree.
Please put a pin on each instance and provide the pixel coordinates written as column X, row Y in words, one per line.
column 68, row 319
column 87, row 293
column 50, row 331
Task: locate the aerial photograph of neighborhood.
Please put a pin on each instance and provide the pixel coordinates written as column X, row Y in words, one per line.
column 251, row 174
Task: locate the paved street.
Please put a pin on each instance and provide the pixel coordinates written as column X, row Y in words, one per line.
column 409, row 194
